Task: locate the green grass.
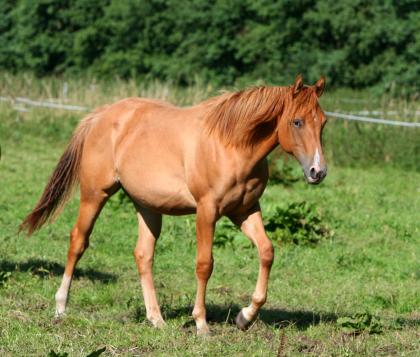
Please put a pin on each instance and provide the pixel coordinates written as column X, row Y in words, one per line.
column 370, row 265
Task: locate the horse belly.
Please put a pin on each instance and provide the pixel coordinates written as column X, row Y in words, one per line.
column 166, row 198
column 157, row 186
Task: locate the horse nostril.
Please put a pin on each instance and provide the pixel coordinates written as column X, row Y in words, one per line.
column 314, row 175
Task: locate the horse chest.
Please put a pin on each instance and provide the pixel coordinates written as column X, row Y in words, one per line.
column 242, row 188
column 242, row 196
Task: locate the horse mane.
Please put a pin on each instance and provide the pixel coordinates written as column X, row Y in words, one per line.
column 243, row 118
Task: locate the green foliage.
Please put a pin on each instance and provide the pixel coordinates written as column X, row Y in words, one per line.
column 120, row 200
column 227, row 234
column 354, row 43
column 297, row 223
column 224, row 234
column 283, row 170
column 359, row 323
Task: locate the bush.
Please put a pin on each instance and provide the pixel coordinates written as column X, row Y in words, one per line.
column 297, row 223
column 359, row 323
column 283, row 170
column 354, row 43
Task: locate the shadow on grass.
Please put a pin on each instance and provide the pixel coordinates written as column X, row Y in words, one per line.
column 45, row 268
column 278, row 318
column 302, row 319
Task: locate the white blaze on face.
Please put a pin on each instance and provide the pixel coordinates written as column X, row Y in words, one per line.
column 317, row 159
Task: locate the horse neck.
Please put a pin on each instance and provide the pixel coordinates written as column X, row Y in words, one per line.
column 258, row 151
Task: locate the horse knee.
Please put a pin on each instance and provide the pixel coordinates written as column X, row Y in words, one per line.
column 267, row 254
column 144, row 261
column 78, row 242
column 259, row 299
column 204, row 268
column 198, row 312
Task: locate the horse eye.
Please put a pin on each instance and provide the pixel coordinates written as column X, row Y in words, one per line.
column 297, row 123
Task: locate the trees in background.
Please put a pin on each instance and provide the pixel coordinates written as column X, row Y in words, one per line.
column 355, row 43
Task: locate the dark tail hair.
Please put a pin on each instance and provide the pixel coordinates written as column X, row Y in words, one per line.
column 61, row 183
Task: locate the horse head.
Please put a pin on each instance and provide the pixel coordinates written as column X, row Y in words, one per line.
column 300, row 128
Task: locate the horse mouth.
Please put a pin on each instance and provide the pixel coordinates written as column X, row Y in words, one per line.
column 311, row 181
column 314, row 179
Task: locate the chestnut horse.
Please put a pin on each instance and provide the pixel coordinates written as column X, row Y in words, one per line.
column 208, row 159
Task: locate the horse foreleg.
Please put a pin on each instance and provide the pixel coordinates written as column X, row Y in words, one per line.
column 150, row 225
column 204, row 265
column 252, row 226
column 79, row 241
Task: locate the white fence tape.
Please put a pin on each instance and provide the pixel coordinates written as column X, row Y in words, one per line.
column 372, row 120
column 367, row 113
column 35, row 103
column 52, row 105
column 42, row 104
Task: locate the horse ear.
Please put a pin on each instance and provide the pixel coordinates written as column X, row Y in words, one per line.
column 319, row 86
column 297, row 86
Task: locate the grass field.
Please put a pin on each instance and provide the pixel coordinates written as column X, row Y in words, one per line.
column 369, row 266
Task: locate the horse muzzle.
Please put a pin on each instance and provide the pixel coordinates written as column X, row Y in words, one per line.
column 315, row 174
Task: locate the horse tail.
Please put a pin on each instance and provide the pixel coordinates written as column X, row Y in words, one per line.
column 61, row 183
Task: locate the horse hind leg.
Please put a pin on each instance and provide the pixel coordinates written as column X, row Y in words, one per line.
column 91, row 204
column 150, row 225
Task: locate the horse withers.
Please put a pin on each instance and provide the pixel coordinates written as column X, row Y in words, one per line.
column 208, row 159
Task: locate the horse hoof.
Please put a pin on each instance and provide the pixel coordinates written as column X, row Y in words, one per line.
column 59, row 314
column 203, row 333
column 241, row 322
column 160, row 323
